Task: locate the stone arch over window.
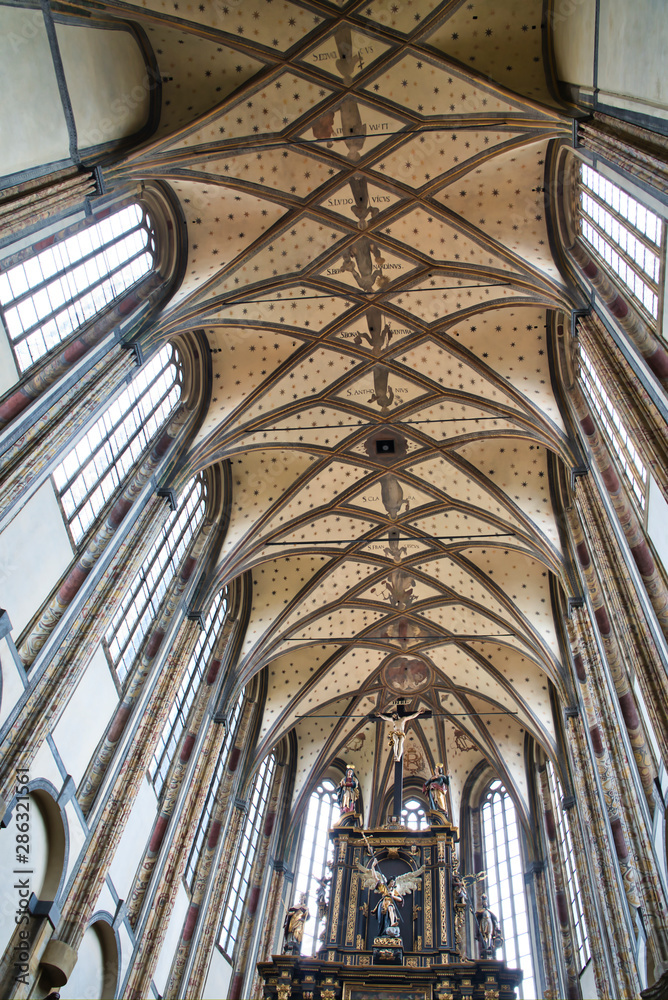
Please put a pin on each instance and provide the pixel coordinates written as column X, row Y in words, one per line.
column 98, row 961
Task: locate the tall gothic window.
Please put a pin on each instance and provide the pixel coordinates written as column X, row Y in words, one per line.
column 413, row 815
column 141, row 601
column 505, row 881
column 573, row 883
column 614, row 430
column 46, row 297
column 197, row 666
column 316, row 850
column 238, row 891
column 207, row 811
column 99, row 462
column 626, row 236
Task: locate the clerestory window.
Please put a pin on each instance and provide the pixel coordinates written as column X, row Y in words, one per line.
column 238, row 890
column 141, row 602
column 505, row 881
column 96, row 466
column 178, row 713
column 50, row 295
column 626, row 237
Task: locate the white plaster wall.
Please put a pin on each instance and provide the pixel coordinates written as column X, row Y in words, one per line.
column 85, row 718
column 9, row 880
column 171, row 940
column 657, row 520
column 218, row 978
column 88, row 974
column 33, row 130
column 588, row 982
column 573, row 37
column 77, row 834
column 106, row 80
column 134, row 840
column 9, row 373
column 12, row 683
column 35, row 551
column 44, row 766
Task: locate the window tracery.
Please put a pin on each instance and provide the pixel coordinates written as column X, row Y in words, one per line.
column 48, row 296
column 239, row 884
column 197, row 666
column 505, row 881
column 99, row 462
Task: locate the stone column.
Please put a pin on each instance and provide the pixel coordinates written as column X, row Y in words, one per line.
column 560, row 882
column 30, row 454
column 142, row 669
column 547, row 949
column 56, row 606
column 177, row 773
column 45, row 699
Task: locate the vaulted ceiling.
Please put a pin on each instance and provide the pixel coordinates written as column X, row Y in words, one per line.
column 370, row 254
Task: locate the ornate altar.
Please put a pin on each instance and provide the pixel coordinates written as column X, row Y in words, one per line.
column 424, row 963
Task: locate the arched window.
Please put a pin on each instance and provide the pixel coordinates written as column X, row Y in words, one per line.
column 625, row 236
column 413, row 815
column 505, row 881
column 238, row 890
column 316, row 851
column 91, row 472
column 573, row 883
column 141, row 601
column 48, row 296
column 207, row 811
column 613, row 428
column 197, row 665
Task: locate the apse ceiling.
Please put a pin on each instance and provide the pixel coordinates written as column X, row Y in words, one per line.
column 369, row 254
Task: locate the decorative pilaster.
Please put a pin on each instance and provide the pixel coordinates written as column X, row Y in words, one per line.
column 44, row 701
column 633, row 531
column 141, row 671
column 560, row 881
column 26, row 460
column 103, row 844
column 547, row 949
column 155, row 927
column 44, row 198
column 42, row 628
column 639, row 152
column 639, row 334
column 206, row 939
column 63, row 359
column 177, row 772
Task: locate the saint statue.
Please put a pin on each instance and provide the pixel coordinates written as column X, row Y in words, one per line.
column 435, row 787
column 398, row 730
column 293, row 926
column 491, row 937
column 391, row 896
column 348, row 792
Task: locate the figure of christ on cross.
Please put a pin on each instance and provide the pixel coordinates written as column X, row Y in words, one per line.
column 398, row 722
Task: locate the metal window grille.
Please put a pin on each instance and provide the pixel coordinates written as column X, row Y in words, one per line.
column 573, row 883
column 626, row 236
column 92, row 471
column 141, row 602
column 238, row 891
column 613, row 429
column 47, row 297
column 413, row 815
column 178, row 713
column 207, row 811
column 316, row 851
column 505, row 881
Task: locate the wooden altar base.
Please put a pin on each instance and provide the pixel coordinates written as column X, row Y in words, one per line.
column 288, row 977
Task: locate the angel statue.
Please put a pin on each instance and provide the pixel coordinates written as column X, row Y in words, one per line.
column 391, row 896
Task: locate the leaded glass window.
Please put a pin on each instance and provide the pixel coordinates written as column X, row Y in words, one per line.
column 207, row 811
column 614, row 430
column 238, row 891
column 572, row 882
column 625, row 235
column 141, row 602
column 49, row 296
column 96, row 466
column 316, row 851
column 505, row 882
column 413, row 815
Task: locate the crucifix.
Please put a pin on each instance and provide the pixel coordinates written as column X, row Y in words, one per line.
column 398, row 720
